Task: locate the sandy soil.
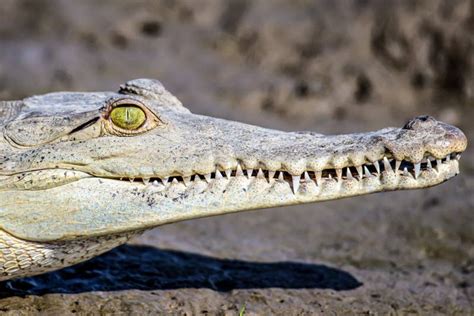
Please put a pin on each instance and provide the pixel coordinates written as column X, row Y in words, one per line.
column 327, row 66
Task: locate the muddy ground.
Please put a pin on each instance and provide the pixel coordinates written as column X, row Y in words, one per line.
column 328, row 66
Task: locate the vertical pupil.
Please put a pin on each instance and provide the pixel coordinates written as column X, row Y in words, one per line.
column 127, row 116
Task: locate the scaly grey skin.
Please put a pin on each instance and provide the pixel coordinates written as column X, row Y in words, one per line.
column 75, row 183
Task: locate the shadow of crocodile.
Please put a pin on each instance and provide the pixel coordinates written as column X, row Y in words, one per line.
column 148, row 268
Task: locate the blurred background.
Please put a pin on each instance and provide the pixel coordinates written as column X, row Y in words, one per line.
column 328, row 66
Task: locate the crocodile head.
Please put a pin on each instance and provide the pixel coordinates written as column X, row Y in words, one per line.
column 89, row 164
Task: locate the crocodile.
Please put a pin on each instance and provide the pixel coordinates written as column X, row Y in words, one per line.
column 82, row 172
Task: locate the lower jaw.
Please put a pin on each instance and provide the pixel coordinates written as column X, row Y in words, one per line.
column 94, row 203
column 221, row 196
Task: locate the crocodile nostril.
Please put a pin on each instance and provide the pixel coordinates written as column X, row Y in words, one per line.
column 420, row 122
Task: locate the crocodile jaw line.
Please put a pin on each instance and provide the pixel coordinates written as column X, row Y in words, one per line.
column 236, row 190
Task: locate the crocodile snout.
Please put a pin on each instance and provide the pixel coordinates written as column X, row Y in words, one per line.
column 442, row 137
column 454, row 139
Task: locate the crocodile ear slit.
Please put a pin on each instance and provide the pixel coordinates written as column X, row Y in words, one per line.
column 84, row 125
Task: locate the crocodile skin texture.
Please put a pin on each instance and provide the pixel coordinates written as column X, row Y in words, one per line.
column 20, row 258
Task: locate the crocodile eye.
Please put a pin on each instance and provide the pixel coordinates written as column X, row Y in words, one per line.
column 128, row 117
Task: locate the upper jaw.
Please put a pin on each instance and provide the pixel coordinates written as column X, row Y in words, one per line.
column 232, row 145
column 424, row 152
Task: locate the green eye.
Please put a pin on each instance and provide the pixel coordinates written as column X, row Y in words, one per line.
column 128, row 117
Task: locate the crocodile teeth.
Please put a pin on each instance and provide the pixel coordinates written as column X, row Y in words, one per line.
column 197, row 179
column 307, row 178
column 417, row 169
column 367, row 172
column 438, row 164
column 349, row 174
column 296, row 183
column 271, row 175
column 239, row 171
column 428, row 164
column 398, row 163
column 387, row 165
column 377, row 166
column 249, row 173
column 319, row 177
column 338, row 174
column 187, row 181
